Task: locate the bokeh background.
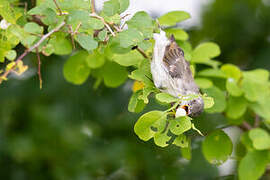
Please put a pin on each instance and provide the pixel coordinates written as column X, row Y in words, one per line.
column 75, row 132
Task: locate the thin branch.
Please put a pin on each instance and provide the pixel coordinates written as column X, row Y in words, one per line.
column 39, row 69
column 142, row 52
column 31, row 49
column 257, row 121
column 245, row 126
column 93, row 10
column 58, row 7
column 104, row 22
column 72, row 36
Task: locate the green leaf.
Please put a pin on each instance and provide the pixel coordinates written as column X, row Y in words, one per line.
column 236, row 107
column 179, row 34
column 75, row 69
column 253, row 165
column 33, row 28
column 130, row 37
column 146, row 92
column 262, row 108
column 136, row 105
column 260, row 139
column 186, row 152
column 246, row 141
column 95, row 23
column 102, row 35
column 166, row 98
column 204, row 52
column 8, row 12
column 128, row 59
column 142, row 22
column 219, row 97
column 11, row 55
column 180, row 125
column 212, row 73
column 208, row 102
column 86, row 41
column 140, row 75
column 173, row 17
column 77, row 17
column 114, row 75
column 254, row 84
column 231, row 71
column 181, row 141
column 204, row 83
column 111, row 7
column 123, row 5
column 217, row 147
column 95, row 60
column 143, row 126
column 161, row 139
column 61, row 45
column 233, row 88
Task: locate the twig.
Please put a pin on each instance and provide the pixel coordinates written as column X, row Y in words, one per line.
column 245, row 126
column 104, row 22
column 125, row 16
column 257, row 121
column 142, row 52
column 39, row 70
column 72, row 36
column 93, row 10
column 31, row 49
column 58, row 7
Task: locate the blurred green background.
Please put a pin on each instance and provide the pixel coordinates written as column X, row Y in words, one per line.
column 75, row 132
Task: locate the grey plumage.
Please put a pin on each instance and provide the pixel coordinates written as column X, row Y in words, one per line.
column 171, row 73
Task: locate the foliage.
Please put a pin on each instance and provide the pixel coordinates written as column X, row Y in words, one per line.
column 100, row 46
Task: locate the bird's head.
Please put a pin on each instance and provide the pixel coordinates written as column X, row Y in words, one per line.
column 192, row 108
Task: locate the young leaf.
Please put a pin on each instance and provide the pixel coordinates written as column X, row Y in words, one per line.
column 75, row 69
column 111, row 7
column 179, row 34
column 204, row 52
column 123, row 5
column 114, row 75
column 135, row 105
column 236, row 107
column 181, row 141
column 233, row 88
column 219, row 97
column 161, row 139
column 86, row 41
column 166, row 98
column 128, row 59
column 217, row 147
column 95, row 60
column 180, row 125
column 142, row 22
column 11, row 55
column 260, row 138
column 130, row 37
column 253, row 165
column 33, row 28
column 204, row 83
column 172, row 18
column 143, row 126
column 231, row 71
column 60, row 44
column 208, row 102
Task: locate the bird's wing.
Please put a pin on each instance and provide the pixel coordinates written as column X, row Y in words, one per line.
column 178, row 67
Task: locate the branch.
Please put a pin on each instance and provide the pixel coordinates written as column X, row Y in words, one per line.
column 245, row 126
column 39, row 71
column 142, row 52
column 58, row 7
column 104, row 22
column 93, row 10
column 31, row 49
column 256, row 121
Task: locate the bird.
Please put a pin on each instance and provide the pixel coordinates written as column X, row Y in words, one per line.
column 171, row 74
